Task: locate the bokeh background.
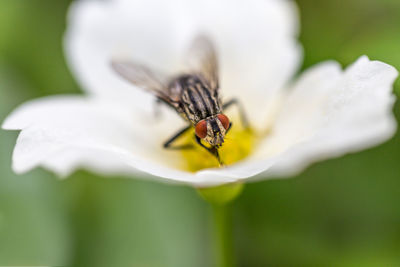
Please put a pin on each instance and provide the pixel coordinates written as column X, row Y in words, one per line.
column 341, row 212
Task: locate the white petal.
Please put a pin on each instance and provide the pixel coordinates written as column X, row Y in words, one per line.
column 255, row 39
column 65, row 133
column 329, row 113
column 62, row 131
column 356, row 115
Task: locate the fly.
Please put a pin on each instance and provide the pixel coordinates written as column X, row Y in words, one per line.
column 193, row 95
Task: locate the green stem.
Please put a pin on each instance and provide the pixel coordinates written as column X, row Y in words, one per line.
column 223, row 236
column 219, row 197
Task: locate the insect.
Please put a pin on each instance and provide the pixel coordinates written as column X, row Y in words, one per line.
column 193, row 94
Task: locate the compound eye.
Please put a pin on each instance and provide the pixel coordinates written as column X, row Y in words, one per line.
column 224, row 120
column 201, row 129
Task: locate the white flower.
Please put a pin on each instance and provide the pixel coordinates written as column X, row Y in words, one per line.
column 326, row 113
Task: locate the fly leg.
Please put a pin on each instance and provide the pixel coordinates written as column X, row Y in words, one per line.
column 242, row 113
column 168, row 143
column 213, row 150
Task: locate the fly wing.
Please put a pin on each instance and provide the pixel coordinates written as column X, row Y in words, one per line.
column 143, row 77
column 203, row 60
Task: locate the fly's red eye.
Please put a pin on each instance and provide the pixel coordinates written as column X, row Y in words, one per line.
column 201, row 129
column 224, row 120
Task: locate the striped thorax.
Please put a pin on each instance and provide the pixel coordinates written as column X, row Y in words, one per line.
column 201, row 105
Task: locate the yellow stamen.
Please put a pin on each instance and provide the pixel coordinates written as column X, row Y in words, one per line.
column 239, row 143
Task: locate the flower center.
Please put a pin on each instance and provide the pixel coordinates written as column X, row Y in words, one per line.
column 239, row 143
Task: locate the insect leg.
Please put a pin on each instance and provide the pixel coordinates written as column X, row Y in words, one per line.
column 213, row 150
column 242, row 113
column 168, row 143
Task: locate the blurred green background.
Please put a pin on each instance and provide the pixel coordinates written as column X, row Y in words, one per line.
column 342, row 212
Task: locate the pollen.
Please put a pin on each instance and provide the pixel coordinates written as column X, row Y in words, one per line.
column 239, row 143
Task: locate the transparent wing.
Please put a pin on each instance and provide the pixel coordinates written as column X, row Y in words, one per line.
column 143, row 77
column 202, row 58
